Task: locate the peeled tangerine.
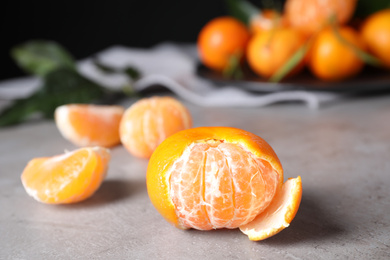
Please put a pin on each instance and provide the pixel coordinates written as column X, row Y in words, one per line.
column 149, row 121
column 220, row 177
column 89, row 125
column 67, row 178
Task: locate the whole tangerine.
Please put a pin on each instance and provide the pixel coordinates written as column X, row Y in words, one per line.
column 268, row 51
column 332, row 59
column 219, row 40
column 376, row 35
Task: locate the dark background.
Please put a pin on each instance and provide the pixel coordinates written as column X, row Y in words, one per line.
column 85, row 28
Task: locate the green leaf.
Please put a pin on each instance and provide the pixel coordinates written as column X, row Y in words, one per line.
column 64, row 86
column 132, row 72
column 233, row 69
column 242, row 10
column 61, row 86
column 40, row 57
column 19, row 111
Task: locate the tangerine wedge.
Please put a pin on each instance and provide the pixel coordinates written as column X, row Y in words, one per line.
column 67, row 178
column 149, row 121
column 89, row 125
column 215, row 177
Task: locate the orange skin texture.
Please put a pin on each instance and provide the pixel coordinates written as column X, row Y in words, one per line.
column 219, row 39
column 149, row 121
column 376, row 34
column 267, row 52
column 332, row 60
column 66, row 178
column 310, row 16
column 172, row 148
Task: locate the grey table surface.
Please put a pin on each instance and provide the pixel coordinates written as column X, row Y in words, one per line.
column 342, row 153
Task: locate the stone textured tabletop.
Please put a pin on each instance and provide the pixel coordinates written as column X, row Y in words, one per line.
column 342, row 153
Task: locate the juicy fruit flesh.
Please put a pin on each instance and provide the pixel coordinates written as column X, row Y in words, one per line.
column 215, row 184
column 89, row 125
column 67, row 178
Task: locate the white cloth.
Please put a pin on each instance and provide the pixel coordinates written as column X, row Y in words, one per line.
column 174, row 67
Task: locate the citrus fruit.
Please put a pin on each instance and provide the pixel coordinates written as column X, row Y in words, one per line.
column 334, row 59
column 89, row 125
column 219, row 40
column 67, row 178
column 267, row 20
column 216, row 177
column 376, row 34
column 149, row 121
column 309, row 16
column 267, row 52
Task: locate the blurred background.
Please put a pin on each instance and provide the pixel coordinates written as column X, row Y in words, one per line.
column 87, row 28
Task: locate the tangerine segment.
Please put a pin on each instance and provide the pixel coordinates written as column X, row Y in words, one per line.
column 89, row 125
column 149, row 121
column 220, row 185
column 67, row 178
column 183, row 156
column 279, row 214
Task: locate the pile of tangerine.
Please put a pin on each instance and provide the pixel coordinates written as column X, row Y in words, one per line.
column 203, row 178
column 315, row 34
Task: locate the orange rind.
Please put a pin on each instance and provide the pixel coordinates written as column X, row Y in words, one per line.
column 279, row 213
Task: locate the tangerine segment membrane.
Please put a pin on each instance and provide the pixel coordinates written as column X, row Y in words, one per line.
column 215, row 184
column 83, row 123
column 66, row 178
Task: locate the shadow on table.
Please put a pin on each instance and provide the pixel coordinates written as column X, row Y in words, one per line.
column 113, row 191
column 312, row 223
